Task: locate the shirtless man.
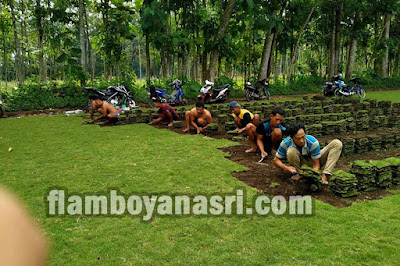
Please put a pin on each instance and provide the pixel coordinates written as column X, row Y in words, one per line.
column 105, row 109
column 198, row 117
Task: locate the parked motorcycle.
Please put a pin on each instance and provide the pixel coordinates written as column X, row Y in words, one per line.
column 116, row 95
column 216, row 95
column 336, row 88
column 345, row 90
column 329, row 87
column 175, row 98
column 259, row 91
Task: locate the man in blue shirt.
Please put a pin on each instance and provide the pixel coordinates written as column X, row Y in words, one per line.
column 301, row 149
column 269, row 133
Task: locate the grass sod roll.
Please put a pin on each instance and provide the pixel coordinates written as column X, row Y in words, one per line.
column 230, row 126
column 365, row 173
column 383, row 177
column 312, row 176
column 395, row 166
column 349, row 145
column 343, row 184
column 212, row 129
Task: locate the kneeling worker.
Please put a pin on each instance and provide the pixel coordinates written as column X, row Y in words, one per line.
column 269, row 133
column 301, row 149
column 198, row 117
column 246, row 123
column 106, row 109
column 167, row 113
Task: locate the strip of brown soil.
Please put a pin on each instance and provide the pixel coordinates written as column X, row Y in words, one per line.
column 273, row 181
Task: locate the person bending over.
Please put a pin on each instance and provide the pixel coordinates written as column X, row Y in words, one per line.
column 198, row 117
column 301, row 149
column 166, row 112
column 246, row 123
column 106, row 110
column 270, row 132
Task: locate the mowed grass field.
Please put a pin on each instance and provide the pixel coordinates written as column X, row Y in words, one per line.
column 60, row 151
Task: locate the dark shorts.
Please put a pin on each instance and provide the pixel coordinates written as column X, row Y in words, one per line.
column 174, row 115
column 267, row 140
column 196, row 120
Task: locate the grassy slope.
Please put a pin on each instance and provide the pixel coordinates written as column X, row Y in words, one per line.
column 51, row 151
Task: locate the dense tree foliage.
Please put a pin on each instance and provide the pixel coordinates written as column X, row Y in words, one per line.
column 198, row 39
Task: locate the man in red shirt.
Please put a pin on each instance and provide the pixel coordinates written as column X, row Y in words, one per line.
column 167, row 113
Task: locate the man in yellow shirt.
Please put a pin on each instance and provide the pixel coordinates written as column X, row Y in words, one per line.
column 246, row 123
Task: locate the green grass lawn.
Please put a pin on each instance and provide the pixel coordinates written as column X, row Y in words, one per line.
column 59, row 151
column 393, row 95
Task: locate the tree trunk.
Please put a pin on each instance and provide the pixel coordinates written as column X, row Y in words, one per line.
column 385, row 57
column 39, row 26
column 271, row 56
column 266, row 54
column 18, row 63
column 224, row 21
column 337, row 37
column 24, row 41
column 353, row 45
column 204, row 62
column 82, row 38
column 296, row 48
column 148, row 65
column 332, row 48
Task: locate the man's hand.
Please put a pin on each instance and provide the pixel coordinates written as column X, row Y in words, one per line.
column 291, row 170
column 264, row 154
column 240, row 130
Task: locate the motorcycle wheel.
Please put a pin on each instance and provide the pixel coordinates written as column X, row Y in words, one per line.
column 182, row 101
column 151, row 103
column 130, row 103
column 249, row 96
column 226, row 98
column 337, row 92
column 361, row 93
column 267, row 95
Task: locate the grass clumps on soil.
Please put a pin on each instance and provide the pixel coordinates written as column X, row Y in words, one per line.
column 312, row 176
column 365, row 173
column 344, row 184
column 383, row 173
column 395, row 166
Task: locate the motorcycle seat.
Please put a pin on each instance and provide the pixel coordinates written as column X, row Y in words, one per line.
column 251, row 88
column 163, row 90
column 221, row 88
column 209, row 83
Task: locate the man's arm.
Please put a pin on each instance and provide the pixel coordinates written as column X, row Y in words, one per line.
column 103, row 113
column 192, row 118
column 93, row 108
column 316, row 164
column 260, row 144
column 280, row 164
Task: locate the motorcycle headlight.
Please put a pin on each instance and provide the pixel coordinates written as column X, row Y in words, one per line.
column 1, row 102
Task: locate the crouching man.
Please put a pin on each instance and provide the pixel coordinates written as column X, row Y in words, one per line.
column 106, row 110
column 166, row 112
column 246, row 123
column 198, row 117
column 301, row 149
column 270, row 132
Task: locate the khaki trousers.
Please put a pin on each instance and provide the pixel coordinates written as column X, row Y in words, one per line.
column 329, row 157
